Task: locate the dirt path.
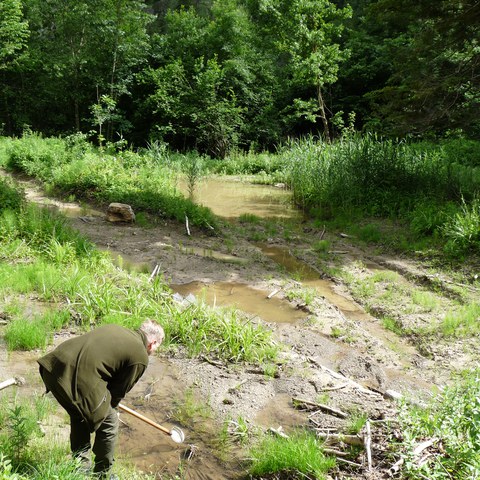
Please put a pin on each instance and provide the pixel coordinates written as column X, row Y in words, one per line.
column 334, row 349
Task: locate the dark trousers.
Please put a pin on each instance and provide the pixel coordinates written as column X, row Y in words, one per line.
column 80, row 437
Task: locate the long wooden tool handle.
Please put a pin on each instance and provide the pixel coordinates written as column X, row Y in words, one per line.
column 7, row 383
column 143, row 418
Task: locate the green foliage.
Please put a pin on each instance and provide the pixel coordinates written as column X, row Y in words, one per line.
column 219, row 333
column 29, row 334
column 300, row 454
column 18, row 428
column 388, row 179
column 124, row 177
column 463, row 229
column 461, row 322
column 189, row 409
column 428, row 217
column 48, row 234
column 13, row 31
column 6, row 469
column 356, row 422
column 453, row 418
column 10, row 196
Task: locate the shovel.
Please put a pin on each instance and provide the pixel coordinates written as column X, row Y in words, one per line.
column 12, row 381
column 176, row 434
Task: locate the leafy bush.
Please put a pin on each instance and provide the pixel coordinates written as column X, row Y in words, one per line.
column 463, row 229
column 125, row 177
column 380, row 177
column 11, row 197
column 428, row 217
column 36, row 156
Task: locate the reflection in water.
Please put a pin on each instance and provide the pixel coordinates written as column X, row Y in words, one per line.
column 230, row 199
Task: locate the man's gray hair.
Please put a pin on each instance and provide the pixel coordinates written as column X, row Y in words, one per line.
column 153, row 331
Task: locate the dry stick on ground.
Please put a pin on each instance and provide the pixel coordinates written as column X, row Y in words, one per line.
column 339, row 376
column 323, row 232
column 368, row 443
column 337, row 453
column 273, row 293
column 324, row 408
column 331, row 389
column 353, row 440
column 155, row 272
column 468, row 287
column 212, row 362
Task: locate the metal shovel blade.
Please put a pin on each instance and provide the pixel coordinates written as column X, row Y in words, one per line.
column 177, row 435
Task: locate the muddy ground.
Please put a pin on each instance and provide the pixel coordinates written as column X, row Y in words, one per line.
column 334, row 352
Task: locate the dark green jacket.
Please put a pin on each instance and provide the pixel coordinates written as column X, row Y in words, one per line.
column 97, row 369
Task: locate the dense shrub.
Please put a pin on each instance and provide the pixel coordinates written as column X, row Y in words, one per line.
column 11, row 197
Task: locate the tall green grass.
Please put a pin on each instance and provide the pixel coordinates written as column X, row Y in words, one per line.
column 380, row 177
column 367, row 176
column 298, row 456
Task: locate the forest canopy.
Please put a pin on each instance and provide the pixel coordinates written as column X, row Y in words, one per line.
column 215, row 75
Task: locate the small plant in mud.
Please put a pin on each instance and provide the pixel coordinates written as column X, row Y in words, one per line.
column 305, row 295
column 189, row 409
column 462, row 321
column 18, row 422
column 344, row 334
column 392, row 324
column 194, row 171
column 249, row 218
column 321, row 246
column 298, row 454
column 356, row 422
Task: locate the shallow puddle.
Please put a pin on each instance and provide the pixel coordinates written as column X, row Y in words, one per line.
column 247, row 299
column 230, row 198
column 309, row 277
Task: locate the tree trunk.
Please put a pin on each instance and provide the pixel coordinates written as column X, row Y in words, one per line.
column 323, row 115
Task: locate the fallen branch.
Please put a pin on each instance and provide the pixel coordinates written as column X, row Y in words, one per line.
column 343, row 377
column 368, row 443
column 187, row 228
column 155, row 272
column 212, row 362
column 354, row 440
column 278, row 431
column 348, row 462
column 468, row 287
column 331, row 389
column 323, row 232
column 273, row 293
column 324, row 408
column 337, row 453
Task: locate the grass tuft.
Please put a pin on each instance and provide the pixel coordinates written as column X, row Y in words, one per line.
column 301, row 453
